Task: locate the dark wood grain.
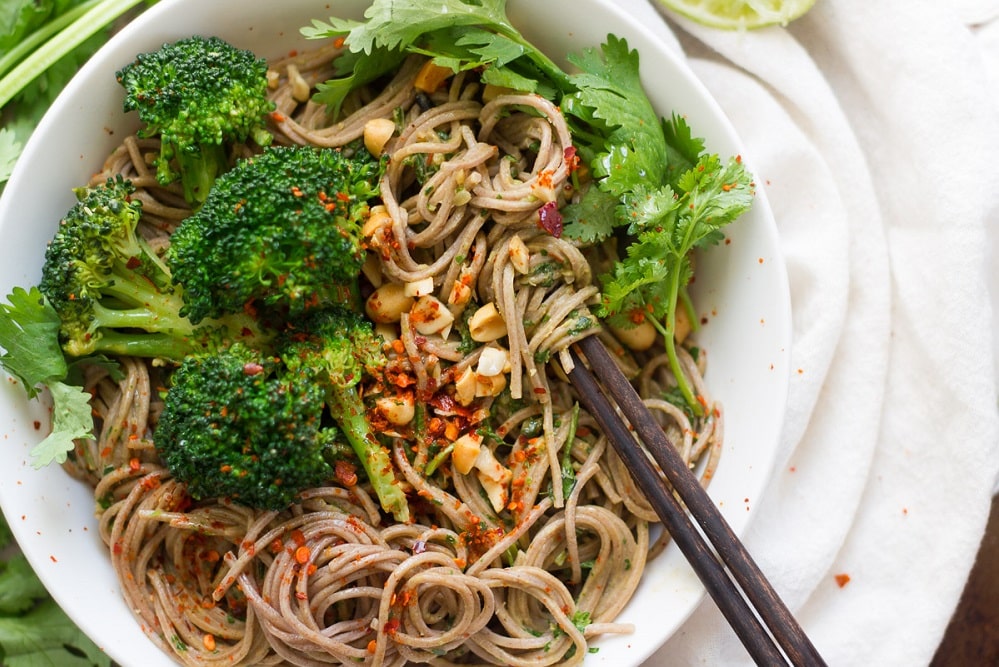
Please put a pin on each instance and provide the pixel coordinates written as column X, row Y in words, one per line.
column 972, row 638
column 747, row 579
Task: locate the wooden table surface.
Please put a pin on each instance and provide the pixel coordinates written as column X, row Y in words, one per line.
column 972, row 638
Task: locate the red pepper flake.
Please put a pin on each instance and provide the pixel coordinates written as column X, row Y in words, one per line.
column 53, row 558
column 372, row 646
column 842, row 580
column 252, row 369
column 150, row 483
column 133, row 263
column 37, row 424
column 134, row 464
column 345, row 473
column 392, row 626
column 550, row 219
column 443, row 402
column 298, row 537
column 338, row 44
column 571, row 158
column 209, row 642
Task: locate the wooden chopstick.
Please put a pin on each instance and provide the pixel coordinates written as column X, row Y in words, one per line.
column 743, row 594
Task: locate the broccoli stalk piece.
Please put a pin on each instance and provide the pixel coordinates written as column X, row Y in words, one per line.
column 337, row 347
column 112, row 292
column 239, row 424
column 279, row 235
column 200, row 96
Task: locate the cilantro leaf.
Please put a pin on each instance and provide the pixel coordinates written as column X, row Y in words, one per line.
column 683, row 150
column 19, row 18
column 6, row 537
column 72, row 418
column 717, row 194
column 354, row 70
column 46, row 636
column 458, row 34
column 592, row 218
column 634, row 150
column 10, row 150
column 20, row 587
column 29, row 336
column 392, row 24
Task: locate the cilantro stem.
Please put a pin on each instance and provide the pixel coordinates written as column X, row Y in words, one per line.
column 35, row 39
column 568, row 475
column 668, row 331
column 98, row 15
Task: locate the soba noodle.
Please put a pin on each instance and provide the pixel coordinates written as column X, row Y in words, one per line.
column 330, row 580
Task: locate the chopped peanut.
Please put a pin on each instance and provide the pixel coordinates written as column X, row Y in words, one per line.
column 486, row 324
column 464, row 387
column 466, row 452
column 492, row 361
column 429, row 315
column 420, row 287
column 520, row 256
column 378, row 217
column 377, row 132
column 399, row 410
column 300, row 89
column 387, row 303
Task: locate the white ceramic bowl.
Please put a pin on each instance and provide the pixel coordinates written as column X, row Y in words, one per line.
column 741, row 287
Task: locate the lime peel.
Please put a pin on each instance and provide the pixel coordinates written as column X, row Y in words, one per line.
column 739, row 14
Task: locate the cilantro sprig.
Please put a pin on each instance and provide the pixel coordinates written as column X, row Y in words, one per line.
column 29, row 338
column 667, row 225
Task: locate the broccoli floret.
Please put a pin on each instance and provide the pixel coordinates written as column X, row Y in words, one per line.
column 239, row 424
column 279, row 234
column 336, row 348
column 112, row 292
column 199, row 96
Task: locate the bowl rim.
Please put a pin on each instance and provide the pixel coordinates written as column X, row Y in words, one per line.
column 160, row 20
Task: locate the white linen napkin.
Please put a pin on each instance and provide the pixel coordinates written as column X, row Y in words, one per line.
column 874, row 132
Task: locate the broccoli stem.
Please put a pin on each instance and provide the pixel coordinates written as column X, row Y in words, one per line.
column 347, row 407
column 153, row 310
column 148, row 346
column 199, row 169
